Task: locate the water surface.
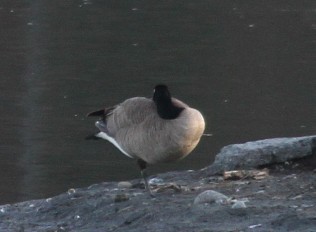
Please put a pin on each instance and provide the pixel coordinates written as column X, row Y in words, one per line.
column 248, row 66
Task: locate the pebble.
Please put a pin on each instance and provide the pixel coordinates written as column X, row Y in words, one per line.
column 124, row 184
column 239, row 205
column 210, row 196
column 121, row 197
column 155, row 181
column 71, row 191
column 254, row 226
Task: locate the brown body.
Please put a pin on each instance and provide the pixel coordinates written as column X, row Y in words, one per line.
column 139, row 131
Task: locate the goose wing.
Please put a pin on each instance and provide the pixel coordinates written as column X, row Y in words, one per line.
column 129, row 113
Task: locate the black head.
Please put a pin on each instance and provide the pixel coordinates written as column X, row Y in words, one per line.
column 165, row 108
column 161, row 93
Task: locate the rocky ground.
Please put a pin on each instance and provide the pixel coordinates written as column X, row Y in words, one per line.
column 283, row 199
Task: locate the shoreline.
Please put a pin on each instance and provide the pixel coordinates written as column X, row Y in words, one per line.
column 282, row 200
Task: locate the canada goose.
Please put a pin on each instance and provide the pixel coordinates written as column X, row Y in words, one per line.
column 161, row 129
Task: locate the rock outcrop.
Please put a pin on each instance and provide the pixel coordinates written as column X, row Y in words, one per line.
column 283, row 200
column 260, row 153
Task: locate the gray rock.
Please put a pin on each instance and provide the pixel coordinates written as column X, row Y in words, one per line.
column 263, row 152
column 124, row 185
column 210, row 196
column 239, row 205
column 121, row 197
column 155, row 181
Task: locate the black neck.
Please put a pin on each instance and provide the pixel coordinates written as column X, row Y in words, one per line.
column 165, row 107
column 169, row 111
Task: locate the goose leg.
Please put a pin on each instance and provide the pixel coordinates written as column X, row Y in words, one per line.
column 142, row 165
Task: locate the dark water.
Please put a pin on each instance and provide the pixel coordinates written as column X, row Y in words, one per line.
column 249, row 66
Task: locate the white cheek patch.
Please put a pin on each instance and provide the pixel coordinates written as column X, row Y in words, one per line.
column 103, row 135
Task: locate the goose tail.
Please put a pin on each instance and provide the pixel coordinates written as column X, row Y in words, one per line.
column 98, row 113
